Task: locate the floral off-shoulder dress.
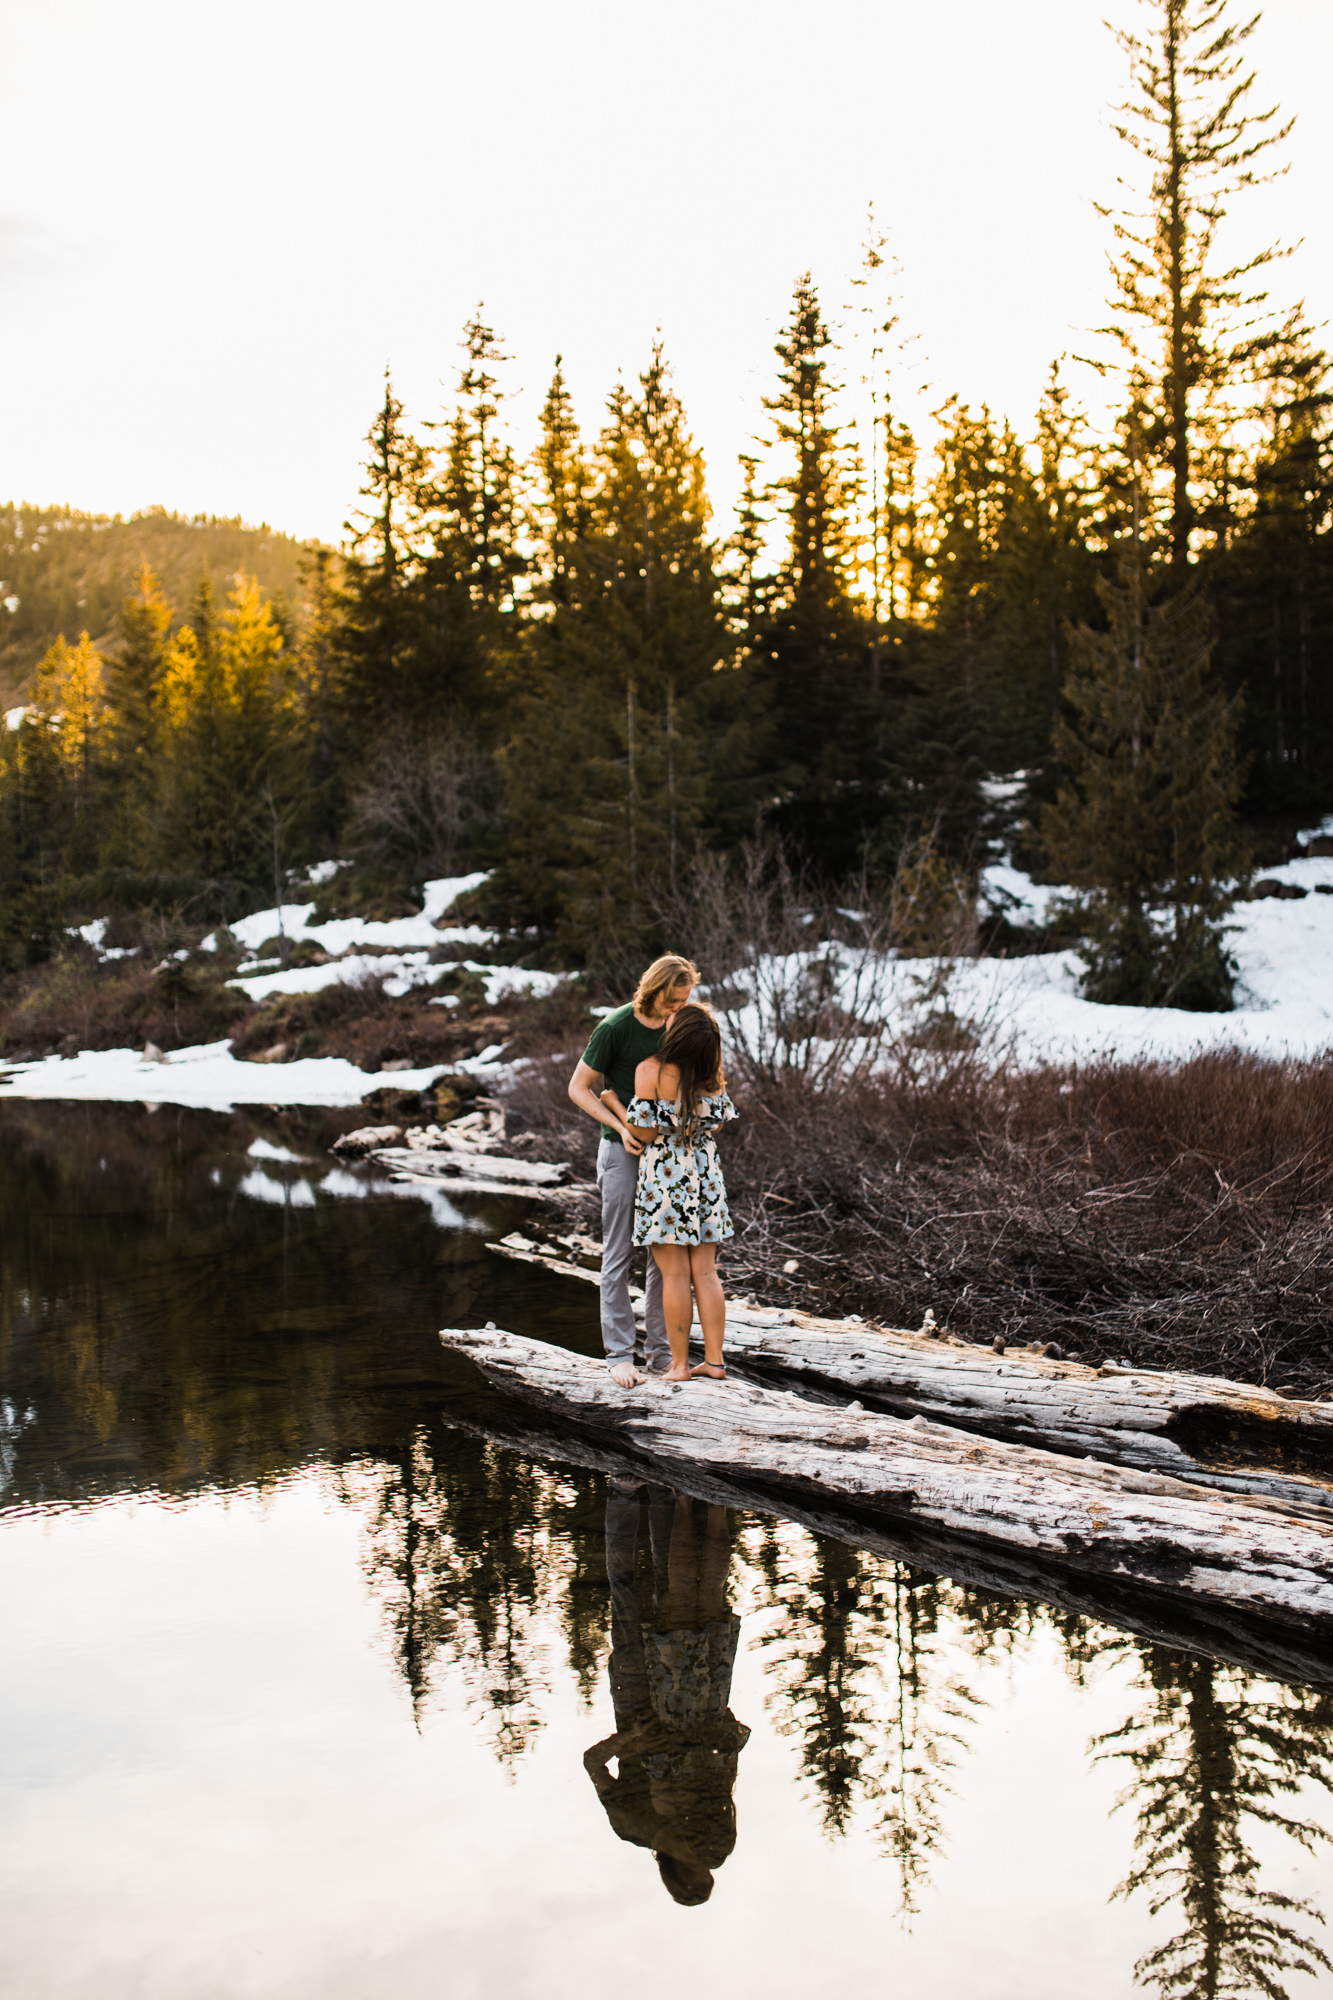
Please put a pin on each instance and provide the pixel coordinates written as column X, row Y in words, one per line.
column 681, row 1196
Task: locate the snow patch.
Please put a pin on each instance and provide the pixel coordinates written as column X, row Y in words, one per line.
column 210, row 1078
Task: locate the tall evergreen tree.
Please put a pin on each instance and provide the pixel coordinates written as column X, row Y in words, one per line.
column 607, row 767
column 233, row 759
column 1272, row 578
column 468, row 590
column 376, row 635
column 1191, row 332
column 1144, row 823
column 69, row 692
column 812, row 657
column 135, row 675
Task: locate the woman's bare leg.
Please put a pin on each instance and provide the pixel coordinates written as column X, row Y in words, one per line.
column 680, row 1606
column 710, row 1299
column 673, row 1261
column 714, row 1563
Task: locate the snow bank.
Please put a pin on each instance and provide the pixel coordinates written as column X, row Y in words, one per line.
column 343, row 934
column 210, row 1078
column 401, row 971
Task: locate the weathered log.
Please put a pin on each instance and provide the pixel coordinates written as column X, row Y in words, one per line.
column 1134, row 1527
column 1236, row 1639
column 1225, row 1435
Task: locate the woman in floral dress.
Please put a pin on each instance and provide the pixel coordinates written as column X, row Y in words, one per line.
column 680, row 1208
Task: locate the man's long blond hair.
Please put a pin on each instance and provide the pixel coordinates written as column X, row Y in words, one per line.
column 663, row 976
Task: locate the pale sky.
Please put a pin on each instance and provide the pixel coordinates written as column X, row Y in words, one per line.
column 217, row 224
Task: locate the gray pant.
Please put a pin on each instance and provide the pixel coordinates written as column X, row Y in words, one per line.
column 617, row 1177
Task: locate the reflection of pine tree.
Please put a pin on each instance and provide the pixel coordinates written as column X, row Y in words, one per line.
column 1208, row 1755
column 475, row 1554
column 824, row 1666
column 918, row 1748
column 855, row 1669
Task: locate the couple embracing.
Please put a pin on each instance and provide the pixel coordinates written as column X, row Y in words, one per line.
column 651, row 1076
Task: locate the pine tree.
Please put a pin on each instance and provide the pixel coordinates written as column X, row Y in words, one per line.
column 1272, row 579
column 813, row 676
column 376, row 635
column 1190, row 332
column 1144, row 823
column 34, row 826
column 70, row 694
column 233, row 760
column 468, row 589
column 135, row 673
column 607, row 767
column 319, row 690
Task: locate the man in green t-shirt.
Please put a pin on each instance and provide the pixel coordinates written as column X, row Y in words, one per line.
column 619, row 1043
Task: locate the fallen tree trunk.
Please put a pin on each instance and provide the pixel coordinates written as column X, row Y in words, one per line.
column 1225, row 1435
column 1235, row 1638
column 1136, row 1528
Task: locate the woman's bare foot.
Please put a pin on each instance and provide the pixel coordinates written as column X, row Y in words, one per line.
column 677, row 1372
column 624, row 1374
column 714, row 1370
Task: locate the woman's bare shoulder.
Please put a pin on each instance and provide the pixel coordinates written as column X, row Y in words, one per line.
column 655, row 1078
column 648, row 1076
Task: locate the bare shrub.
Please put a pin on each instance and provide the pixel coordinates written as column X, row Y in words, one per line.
column 424, row 799
column 808, row 982
column 1175, row 1216
column 70, row 1002
column 538, row 1106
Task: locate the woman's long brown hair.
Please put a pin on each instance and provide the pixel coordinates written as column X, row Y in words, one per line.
column 692, row 1044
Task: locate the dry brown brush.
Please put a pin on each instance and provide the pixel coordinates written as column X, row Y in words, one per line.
column 1176, row 1216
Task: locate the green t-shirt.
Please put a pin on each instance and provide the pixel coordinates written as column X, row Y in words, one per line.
column 617, row 1046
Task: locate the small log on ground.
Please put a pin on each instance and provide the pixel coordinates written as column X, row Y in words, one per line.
column 1133, row 1527
column 1236, row 1639
column 1226, row 1435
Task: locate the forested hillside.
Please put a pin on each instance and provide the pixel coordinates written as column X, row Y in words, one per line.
column 1109, row 645
column 66, row 572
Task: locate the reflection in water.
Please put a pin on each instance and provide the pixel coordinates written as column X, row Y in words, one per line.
column 676, row 1740
column 476, row 1555
column 161, row 1330
column 1211, row 1752
column 858, row 1682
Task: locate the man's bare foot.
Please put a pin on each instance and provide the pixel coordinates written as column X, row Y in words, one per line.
column 624, row 1374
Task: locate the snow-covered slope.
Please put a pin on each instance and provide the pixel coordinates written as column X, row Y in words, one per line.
column 1029, row 1007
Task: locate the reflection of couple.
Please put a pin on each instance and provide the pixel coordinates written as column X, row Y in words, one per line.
column 658, row 1171
column 676, row 1741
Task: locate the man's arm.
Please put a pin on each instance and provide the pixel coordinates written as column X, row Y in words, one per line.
column 582, row 1092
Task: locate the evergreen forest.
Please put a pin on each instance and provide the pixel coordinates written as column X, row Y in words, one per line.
column 1104, row 647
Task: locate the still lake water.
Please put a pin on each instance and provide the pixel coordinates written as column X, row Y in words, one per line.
column 308, row 1689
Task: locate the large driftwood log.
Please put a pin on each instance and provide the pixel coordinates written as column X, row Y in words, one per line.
column 1236, row 1639
column 1134, row 1527
column 1226, row 1435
